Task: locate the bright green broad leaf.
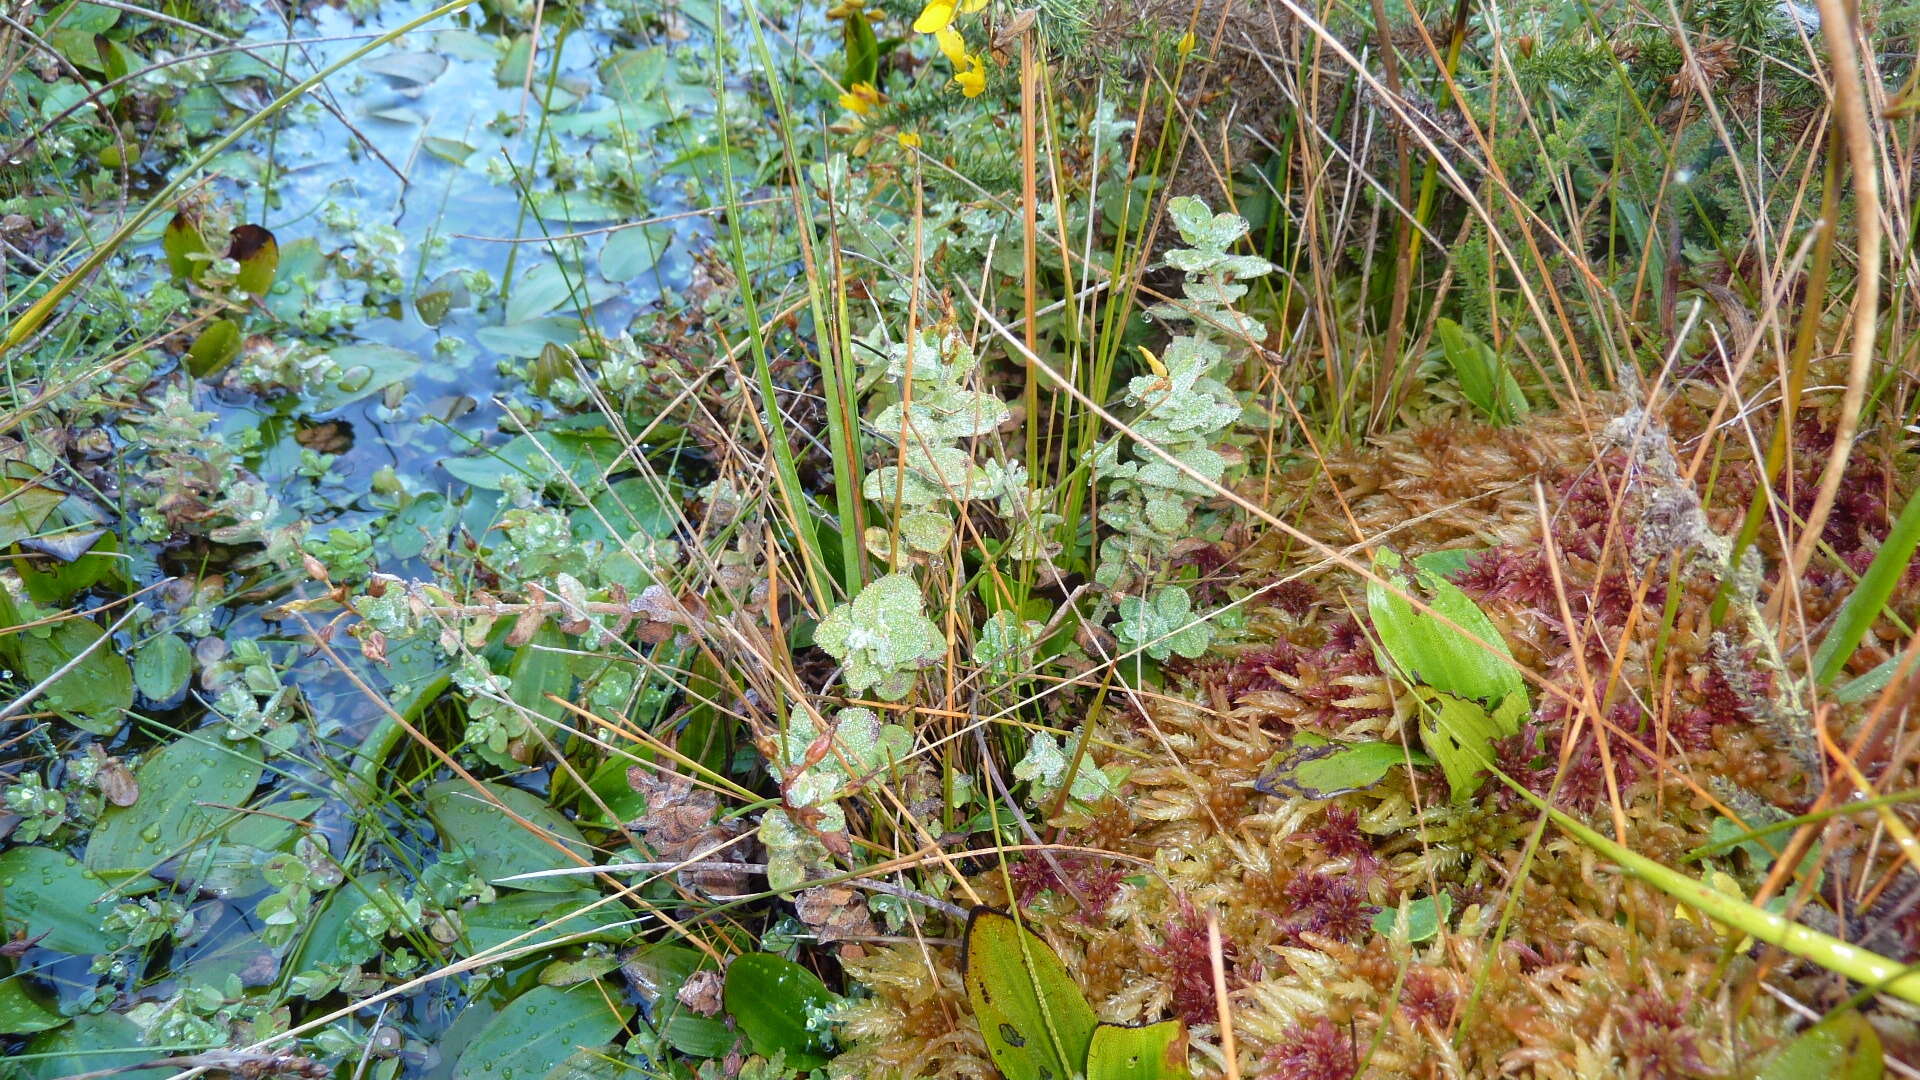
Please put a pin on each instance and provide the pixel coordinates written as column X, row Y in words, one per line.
column 1485, row 379
column 1315, row 768
column 181, row 789
column 1425, row 917
column 779, row 1004
column 1149, row 1052
column 1843, row 1048
column 48, row 895
column 1460, row 734
column 1035, row 1019
column 1425, row 649
column 500, row 846
column 540, row 1030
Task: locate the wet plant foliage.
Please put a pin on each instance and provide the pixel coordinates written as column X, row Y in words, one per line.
column 742, row 539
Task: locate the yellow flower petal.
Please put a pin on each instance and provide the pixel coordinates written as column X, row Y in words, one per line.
column 860, row 98
column 935, row 17
column 971, row 6
column 973, row 81
column 908, row 138
column 952, row 45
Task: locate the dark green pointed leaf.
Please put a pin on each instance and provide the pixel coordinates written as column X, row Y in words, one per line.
column 540, row 1030
column 777, row 1004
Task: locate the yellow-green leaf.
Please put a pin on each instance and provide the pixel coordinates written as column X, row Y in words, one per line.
column 258, row 254
column 1149, row 1052
column 1036, row 1021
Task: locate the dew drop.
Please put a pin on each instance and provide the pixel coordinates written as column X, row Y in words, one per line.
column 355, row 378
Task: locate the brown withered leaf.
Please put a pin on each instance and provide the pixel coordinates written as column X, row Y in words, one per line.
column 678, row 824
column 835, row 912
column 114, row 779
column 701, row 992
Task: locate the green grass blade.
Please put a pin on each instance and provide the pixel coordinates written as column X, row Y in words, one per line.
column 1869, row 598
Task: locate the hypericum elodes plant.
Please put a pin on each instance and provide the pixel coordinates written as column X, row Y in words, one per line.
column 883, row 637
column 1185, row 406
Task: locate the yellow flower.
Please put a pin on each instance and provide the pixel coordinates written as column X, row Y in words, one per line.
column 970, row 6
column 952, row 45
column 861, row 98
column 1186, row 44
column 973, row 81
column 935, row 17
column 909, row 139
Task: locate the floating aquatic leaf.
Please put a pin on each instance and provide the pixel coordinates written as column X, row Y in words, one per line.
column 23, row 1012
column 182, row 789
column 541, row 1029
column 181, row 241
column 95, row 685
column 49, row 893
column 365, row 370
column 500, row 846
column 258, row 254
column 631, row 252
column 417, row 68
column 214, row 348
column 162, row 666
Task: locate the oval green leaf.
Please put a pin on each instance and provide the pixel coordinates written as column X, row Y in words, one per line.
column 775, row 1002
column 540, row 1030
column 176, row 812
column 1036, row 1022
column 500, row 846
